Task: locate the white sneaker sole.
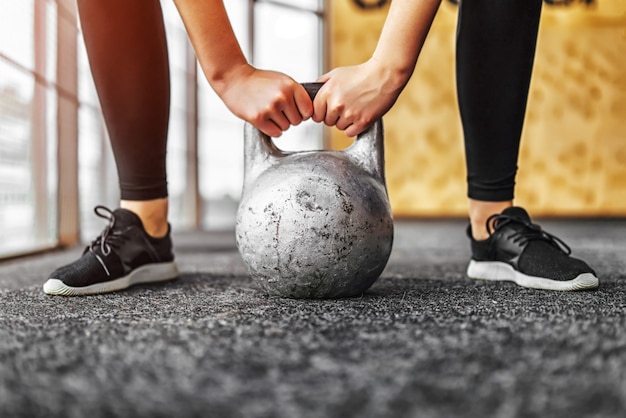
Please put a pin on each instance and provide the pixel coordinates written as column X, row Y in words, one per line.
column 150, row 273
column 499, row 271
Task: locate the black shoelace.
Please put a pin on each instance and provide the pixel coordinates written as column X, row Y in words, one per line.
column 530, row 232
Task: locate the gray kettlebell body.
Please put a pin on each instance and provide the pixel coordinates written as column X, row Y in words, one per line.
column 314, row 224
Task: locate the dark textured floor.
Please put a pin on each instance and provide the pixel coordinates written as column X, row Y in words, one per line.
column 424, row 342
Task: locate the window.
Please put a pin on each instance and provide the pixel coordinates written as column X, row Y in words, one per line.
column 40, row 42
column 287, row 36
column 28, row 103
column 97, row 175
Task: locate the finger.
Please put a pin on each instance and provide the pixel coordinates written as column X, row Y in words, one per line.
column 343, row 124
column 270, row 129
column 303, row 104
column 323, row 78
column 319, row 106
column 354, row 129
column 291, row 112
column 280, row 120
column 331, row 118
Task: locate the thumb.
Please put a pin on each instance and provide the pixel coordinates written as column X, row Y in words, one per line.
column 303, row 102
column 323, row 78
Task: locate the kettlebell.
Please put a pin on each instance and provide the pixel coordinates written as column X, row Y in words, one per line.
column 314, row 224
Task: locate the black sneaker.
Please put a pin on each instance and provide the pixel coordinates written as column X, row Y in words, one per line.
column 520, row 251
column 123, row 255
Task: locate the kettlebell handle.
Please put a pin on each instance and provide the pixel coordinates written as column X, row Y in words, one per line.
column 367, row 151
column 312, row 88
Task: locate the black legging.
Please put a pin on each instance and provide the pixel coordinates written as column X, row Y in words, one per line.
column 495, row 51
column 127, row 51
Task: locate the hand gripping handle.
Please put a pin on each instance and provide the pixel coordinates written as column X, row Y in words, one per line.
column 367, row 150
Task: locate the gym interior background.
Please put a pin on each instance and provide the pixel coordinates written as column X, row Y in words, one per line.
column 56, row 164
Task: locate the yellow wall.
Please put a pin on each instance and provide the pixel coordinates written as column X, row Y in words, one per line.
column 573, row 155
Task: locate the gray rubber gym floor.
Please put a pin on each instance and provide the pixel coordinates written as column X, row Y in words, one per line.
column 423, row 342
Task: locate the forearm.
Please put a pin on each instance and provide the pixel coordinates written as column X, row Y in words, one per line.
column 403, row 35
column 269, row 100
column 214, row 41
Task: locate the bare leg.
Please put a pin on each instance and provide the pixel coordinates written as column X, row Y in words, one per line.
column 480, row 211
column 153, row 214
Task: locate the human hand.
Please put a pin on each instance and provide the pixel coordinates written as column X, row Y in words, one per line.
column 354, row 97
column 269, row 100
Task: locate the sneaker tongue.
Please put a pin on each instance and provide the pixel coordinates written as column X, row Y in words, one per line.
column 517, row 212
column 125, row 218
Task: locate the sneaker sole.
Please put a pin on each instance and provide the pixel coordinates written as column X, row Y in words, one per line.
column 499, row 271
column 151, row 273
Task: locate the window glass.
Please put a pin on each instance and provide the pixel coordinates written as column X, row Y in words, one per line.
column 16, row 31
column 177, row 157
column 27, row 127
column 97, row 175
column 220, row 143
column 51, row 40
column 16, row 197
column 288, row 40
column 220, row 149
column 304, row 4
column 285, row 39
